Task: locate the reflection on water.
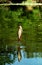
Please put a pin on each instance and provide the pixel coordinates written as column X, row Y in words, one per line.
column 19, row 54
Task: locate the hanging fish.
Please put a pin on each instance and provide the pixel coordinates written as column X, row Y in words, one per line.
column 20, row 30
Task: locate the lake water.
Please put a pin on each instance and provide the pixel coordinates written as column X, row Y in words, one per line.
column 20, row 53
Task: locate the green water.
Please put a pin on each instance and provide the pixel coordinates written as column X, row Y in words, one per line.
column 23, row 52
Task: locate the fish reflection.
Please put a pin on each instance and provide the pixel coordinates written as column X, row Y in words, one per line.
column 19, row 54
